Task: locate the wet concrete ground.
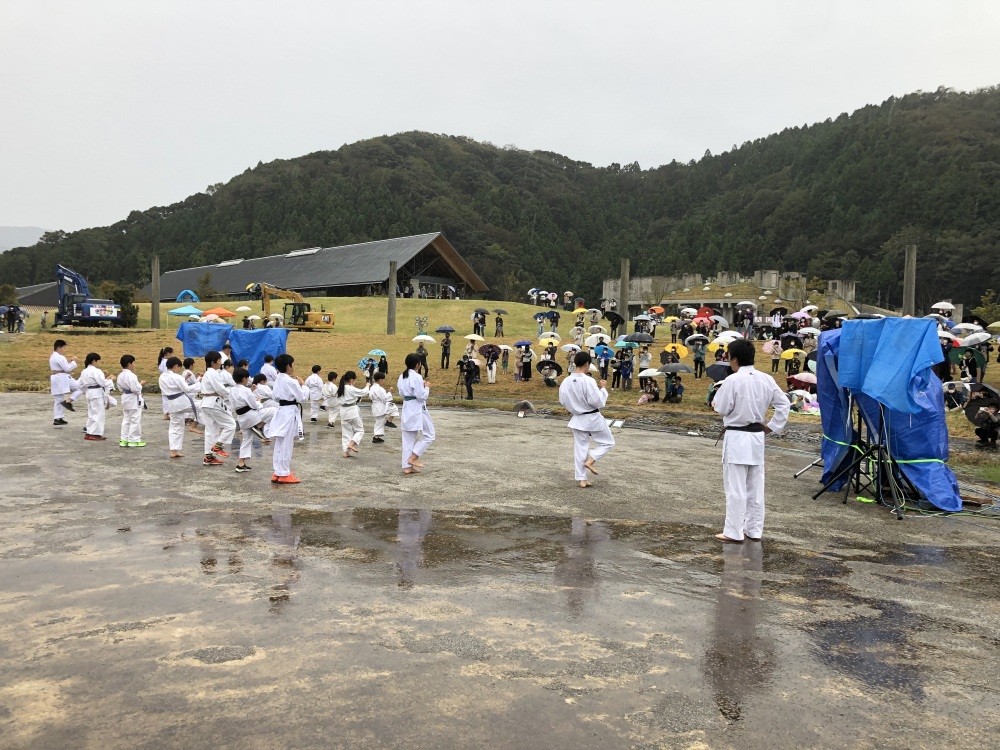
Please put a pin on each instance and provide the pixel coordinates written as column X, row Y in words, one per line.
column 150, row 604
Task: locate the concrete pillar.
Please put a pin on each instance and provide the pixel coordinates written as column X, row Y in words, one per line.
column 623, row 289
column 390, row 322
column 155, row 293
column 910, row 281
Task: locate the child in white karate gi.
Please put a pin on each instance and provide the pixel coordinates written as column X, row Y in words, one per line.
column 179, row 397
column 384, row 408
column 94, row 384
column 131, row 388
column 64, row 388
column 352, row 429
column 331, row 398
column 249, row 416
column 290, row 393
column 315, row 385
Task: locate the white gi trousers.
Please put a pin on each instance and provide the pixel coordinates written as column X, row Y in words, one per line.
column 95, row 415
column 603, row 442
column 351, row 427
column 220, row 427
column 246, row 443
column 281, row 458
column 491, row 373
column 131, row 425
column 744, row 487
column 314, row 407
column 391, row 410
column 415, row 442
column 175, row 432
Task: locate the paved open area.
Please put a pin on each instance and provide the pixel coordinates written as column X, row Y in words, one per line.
column 149, row 603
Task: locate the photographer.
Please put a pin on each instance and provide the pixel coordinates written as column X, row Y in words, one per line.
column 470, row 374
column 987, row 426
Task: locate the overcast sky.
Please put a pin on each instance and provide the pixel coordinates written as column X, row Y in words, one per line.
column 112, row 105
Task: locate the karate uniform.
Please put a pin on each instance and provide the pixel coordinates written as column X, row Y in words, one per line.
column 220, row 427
column 268, row 371
column 242, row 398
column 179, row 399
column 131, row 388
column 61, row 383
column 162, row 367
column 382, row 407
column 93, row 383
column 351, row 426
column 332, row 403
column 582, row 398
column 315, row 385
column 287, row 422
column 414, row 421
column 742, row 399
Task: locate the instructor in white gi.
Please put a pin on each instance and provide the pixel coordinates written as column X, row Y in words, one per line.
column 584, row 400
column 742, row 400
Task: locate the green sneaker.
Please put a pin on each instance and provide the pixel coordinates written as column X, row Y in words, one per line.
column 122, row 444
column 137, row 444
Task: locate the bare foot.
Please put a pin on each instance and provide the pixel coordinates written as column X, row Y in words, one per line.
column 583, row 483
column 411, row 470
column 175, row 454
column 728, row 540
column 589, row 466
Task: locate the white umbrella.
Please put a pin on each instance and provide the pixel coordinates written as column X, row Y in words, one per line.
column 552, row 335
column 276, row 316
column 254, row 317
column 966, row 328
column 473, row 337
column 810, row 330
column 976, row 338
column 194, row 317
column 728, row 336
column 506, row 348
column 596, row 339
column 425, row 337
column 936, row 316
column 210, row 318
column 593, row 367
column 652, row 372
column 809, row 308
column 804, row 377
column 243, row 308
column 597, row 329
column 960, row 385
column 569, row 348
column 721, row 321
column 746, row 303
column 946, row 335
column 942, row 306
column 689, row 311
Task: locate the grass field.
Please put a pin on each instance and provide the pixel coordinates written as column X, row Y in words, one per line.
column 360, row 327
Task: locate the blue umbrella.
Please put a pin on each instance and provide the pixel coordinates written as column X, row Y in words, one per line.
column 522, row 342
column 540, row 316
column 444, row 329
column 363, row 363
column 600, row 349
column 551, row 314
column 377, row 353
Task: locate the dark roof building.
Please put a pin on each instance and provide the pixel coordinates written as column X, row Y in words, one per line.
column 38, row 295
column 423, row 260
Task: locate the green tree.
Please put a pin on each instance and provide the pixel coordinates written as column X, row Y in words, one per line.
column 123, row 296
column 989, row 307
column 204, row 289
column 8, row 294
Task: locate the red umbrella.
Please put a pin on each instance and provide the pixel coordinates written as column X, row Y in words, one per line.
column 705, row 311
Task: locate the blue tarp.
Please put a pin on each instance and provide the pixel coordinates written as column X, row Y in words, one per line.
column 186, row 310
column 253, row 345
column 888, row 365
column 201, row 338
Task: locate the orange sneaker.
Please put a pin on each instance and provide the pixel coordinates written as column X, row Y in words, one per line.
column 219, row 451
column 212, row 461
column 290, row 479
column 274, row 478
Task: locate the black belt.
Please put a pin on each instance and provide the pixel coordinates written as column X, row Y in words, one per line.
column 243, row 410
column 172, row 396
column 752, row 427
column 409, row 398
column 592, row 411
column 350, row 403
column 92, row 387
column 283, row 402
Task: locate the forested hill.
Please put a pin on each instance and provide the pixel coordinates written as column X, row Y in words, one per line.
column 839, row 199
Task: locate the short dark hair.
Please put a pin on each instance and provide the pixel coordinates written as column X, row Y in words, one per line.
column 283, row 362
column 211, row 358
column 268, row 358
column 91, row 358
column 188, row 363
column 331, row 376
column 259, row 378
column 239, row 375
column 582, row 358
column 316, row 368
column 244, row 363
column 378, row 376
column 742, row 351
column 126, row 360
column 227, row 345
column 173, row 362
column 59, row 344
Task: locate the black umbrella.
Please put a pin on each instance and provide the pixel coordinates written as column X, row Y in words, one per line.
column 975, row 319
column 488, row 349
column 540, row 316
column 780, row 310
column 672, row 368
column 481, row 310
column 980, row 400
column 834, row 314
column 640, row 338
column 444, row 329
column 501, row 311
column 718, row 372
column 614, row 318
column 551, row 314
column 554, row 366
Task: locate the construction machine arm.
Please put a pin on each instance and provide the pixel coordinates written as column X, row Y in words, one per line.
column 267, row 291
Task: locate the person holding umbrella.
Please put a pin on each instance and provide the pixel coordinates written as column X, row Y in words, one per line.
column 584, row 399
column 698, row 351
column 467, row 366
column 498, row 324
column 446, row 351
column 525, row 358
column 743, row 399
column 492, row 354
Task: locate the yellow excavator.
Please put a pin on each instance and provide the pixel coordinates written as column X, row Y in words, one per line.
column 298, row 313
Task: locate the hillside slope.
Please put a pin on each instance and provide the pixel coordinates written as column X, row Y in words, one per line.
column 839, row 199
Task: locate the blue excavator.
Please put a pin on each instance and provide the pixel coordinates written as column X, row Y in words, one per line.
column 77, row 308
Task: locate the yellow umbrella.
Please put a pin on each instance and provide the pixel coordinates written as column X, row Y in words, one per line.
column 679, row 349
column 790, row 353
column 670, row 319
column 549, row 340
column 995, row 327
column 716, row 345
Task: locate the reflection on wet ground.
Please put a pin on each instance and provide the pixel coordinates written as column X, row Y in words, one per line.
column 647, row 630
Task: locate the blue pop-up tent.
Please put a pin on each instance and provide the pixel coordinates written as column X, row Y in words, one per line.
column 187, row 296
column 185, row 311
column 885, row 367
